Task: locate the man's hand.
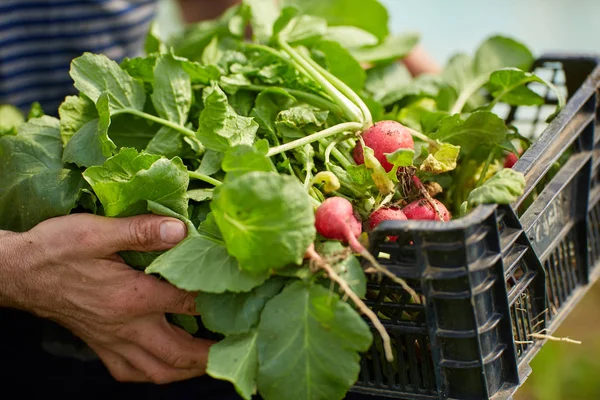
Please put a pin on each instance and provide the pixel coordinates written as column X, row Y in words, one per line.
column 66, row 269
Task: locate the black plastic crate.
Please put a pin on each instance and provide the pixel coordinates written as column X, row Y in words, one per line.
column 500, row 274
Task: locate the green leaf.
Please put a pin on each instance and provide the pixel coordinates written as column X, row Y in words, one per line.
column 501, row 52
column 31, row 172
column 368, row 15
column 349, row 268
column 232, row 83
column 195, row 39
column 380, row 178
column 242, row 102
column 210, row 230
column 459, row 71
column 154, row 43
column 167, row 142
column 297, row 121
column 242, row 159
column 200, row 263
column 508, row 85
column 442, row 159
column 220, row 126
column 200, row 194
column 186, row 322
column 198, row 73
column 303, row 30
column 10, row 119
column 172, row 96
column 392, row 48
column 504, row 187
column 128, row 130
column 211, row 162
column 350, row 37
column 357, row 176
column 268, row 105
column 420, row 114
column 91, row 144
column 139, row 260
column 264, row 15
column 234, row 313
column 74, row 113
column 36, row 111
column 141, row 68
column 212, row 53
column 384, row 81
column 43, row 130
column 341, row 64
column 482, row 128
column 267, row 220
column 235, row 359
column 401, row 158
column 308, row 344
column 127, row 180
column 94, row 74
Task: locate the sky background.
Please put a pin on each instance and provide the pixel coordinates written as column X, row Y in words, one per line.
column 566, row 26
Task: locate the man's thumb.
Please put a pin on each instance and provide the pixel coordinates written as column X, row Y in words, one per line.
column 141, row 233
column 148, row 233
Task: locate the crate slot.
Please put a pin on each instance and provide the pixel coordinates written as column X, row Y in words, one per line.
column 486, row 262
column 490, row 324
column 509, row 237
column 493, row 356
column 437, row 273
column 514, row 256
column 521, row 285
column 465, row 294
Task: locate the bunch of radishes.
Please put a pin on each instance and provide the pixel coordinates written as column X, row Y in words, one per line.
column 336, row 219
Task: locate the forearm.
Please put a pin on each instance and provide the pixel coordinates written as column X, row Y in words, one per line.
column 200, row 10
column 12, row 266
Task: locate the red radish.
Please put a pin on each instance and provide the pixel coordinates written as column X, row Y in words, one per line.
column 510, row 160
column 385, row 137
column 423, row 210
column 386, row 214
column 335, row 219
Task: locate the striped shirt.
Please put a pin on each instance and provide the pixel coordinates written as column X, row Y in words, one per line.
column 39, row 38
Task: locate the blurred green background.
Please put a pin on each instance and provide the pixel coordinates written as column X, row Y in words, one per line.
column 564, row 371
column 561, row 371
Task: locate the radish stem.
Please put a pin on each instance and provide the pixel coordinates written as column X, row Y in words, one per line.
column 176, row 127
column 342, row 87
column 351, row 110
column 468, row 92
column 334, row 130
column 205, row 178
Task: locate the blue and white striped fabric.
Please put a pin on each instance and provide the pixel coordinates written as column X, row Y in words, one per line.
column 39, row 38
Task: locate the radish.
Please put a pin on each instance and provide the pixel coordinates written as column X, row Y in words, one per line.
column 385, row 137
column 386, row 214
column 424, row 210
column 510, row 160
column 335, row 219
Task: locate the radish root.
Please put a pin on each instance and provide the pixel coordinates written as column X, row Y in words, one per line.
column 553, row 338
column 425, row 193
column 316, row 258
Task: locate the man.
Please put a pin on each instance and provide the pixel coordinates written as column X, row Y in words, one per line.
column 67, row 269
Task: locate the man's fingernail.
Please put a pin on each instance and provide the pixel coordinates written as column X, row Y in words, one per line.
column 172, row 232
